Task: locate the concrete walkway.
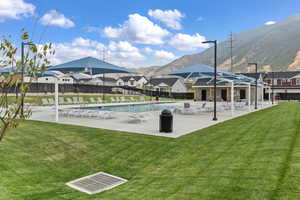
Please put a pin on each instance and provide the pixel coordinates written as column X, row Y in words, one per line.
column 183, row 124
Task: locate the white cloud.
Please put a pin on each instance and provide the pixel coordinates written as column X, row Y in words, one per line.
column 54, row 18
column 161, row 54
column 92, row 29
column 120, row 53
column 171, row 18
column 268, row 23
column 124, row 50
column 185, row 42
column 15, row 9
column 200, row 19
column 137, row 29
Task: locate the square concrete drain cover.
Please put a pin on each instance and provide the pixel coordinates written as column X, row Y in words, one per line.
column 96, row 183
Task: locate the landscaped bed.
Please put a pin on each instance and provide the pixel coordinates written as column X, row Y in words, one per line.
column 256, row 156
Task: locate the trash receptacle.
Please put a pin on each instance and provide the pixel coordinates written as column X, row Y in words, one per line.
column 166, row 121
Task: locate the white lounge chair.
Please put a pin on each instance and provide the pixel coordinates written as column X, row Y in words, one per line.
column 45, row 102
column 113, row 100
column 123, row 99
column 69, row 100
column 99, row 99
column 75, row 100
column 61, row 100
column 142, row 98
column 51, row 101
column 132, row 99
column 81, row 100
column 138, row 117
column 92, row 100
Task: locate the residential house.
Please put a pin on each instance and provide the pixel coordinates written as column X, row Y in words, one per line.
column 284, row 85
column 132, row 81
column 166, row 84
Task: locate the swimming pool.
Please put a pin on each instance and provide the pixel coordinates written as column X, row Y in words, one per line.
column 137, row 107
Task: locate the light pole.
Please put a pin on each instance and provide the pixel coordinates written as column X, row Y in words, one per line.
column 256, row 75
column 22, row 73
column 272, row 88
column 215, row 77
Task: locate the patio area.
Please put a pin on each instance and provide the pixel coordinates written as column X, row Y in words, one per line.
column 183, row 123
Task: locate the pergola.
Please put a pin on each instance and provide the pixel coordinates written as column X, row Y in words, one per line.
column 90, row 65
column 201, row 71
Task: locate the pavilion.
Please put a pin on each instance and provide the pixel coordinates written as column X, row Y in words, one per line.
column 89, row 65
column 230, row 87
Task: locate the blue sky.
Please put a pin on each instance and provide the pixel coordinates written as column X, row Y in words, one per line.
column 136, row 33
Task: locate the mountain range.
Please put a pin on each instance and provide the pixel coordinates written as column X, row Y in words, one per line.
column 274, row 47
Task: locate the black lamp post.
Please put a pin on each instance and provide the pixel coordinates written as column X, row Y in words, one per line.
column 215, row 77
column 22, row 73
column 255, row 64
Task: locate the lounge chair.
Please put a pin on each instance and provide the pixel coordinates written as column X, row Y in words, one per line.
column 51, row 101
column 112, row 100
column 69, row 100
column 132, row 99
column 92, row 100
column 45, row 102
column 99, row 99
column 61, row 100
column 138, row 117
column 81, row 100
column 123, row 99
column 142, row 98
column 75, row 100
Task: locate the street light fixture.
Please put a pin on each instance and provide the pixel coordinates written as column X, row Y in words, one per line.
column 272, row 88
column 256, row 76
column 215, row 77
column 22, row 72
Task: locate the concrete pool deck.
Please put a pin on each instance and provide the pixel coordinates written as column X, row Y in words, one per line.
column 182, row 124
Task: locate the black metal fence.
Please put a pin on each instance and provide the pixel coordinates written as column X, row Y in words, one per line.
column 46, row 88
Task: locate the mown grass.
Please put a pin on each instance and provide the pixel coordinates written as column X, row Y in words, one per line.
column 254, row 157
column 37, row 99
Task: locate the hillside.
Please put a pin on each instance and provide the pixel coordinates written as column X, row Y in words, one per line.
column 275, row 48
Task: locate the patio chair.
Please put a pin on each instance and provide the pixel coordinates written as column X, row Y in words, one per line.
column 75, row 100
column 61, row 100
column 69, row 100
column 92, row 100
column 123, row 99
column 99, row 99
column 81, row 100
column 132, row 99
column 113, row 100
column 138, row 117
column 45, row 102
column 51, row 101
column 105, row 115
column 142, row 98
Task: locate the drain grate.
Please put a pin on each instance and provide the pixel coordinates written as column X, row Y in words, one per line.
column 96, row 183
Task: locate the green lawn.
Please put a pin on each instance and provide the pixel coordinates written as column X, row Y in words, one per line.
column 37, row 100
column 253, row 157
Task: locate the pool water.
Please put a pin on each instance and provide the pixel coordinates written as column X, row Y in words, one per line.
column 137, row 107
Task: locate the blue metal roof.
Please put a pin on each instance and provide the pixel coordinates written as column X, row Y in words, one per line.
column 95, row 66
column 51, row 73
column 8, row 70
column 198, row 70
column 81, row 76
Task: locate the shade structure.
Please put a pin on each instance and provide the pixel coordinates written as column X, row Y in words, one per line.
column 198, row 70
column 91, row 65
column 51, row 73
column 88, row 64
column 81, row 76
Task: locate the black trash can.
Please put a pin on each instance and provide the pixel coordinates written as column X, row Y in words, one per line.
column 166, row 121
